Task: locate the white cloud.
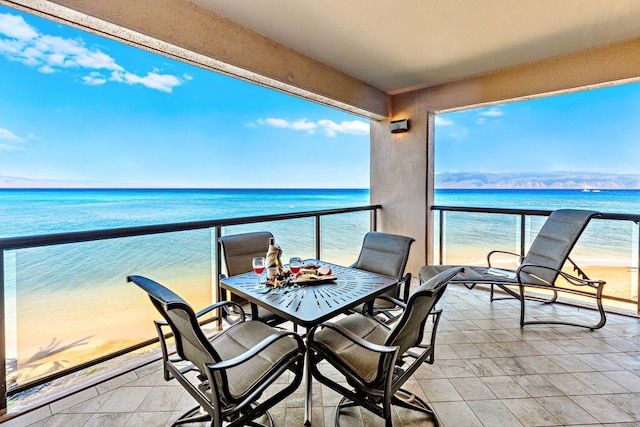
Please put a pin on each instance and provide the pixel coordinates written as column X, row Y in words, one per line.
column 330, row 128
column 13, row 26
column 276, row 123
column 161, row 82
column 481, row 121
column 94, row 78
column 9, row 141
column 7, row 135
column 304, row 125
column 49, row 54
column 353, row 127
column 441, row 121
column 492, row 112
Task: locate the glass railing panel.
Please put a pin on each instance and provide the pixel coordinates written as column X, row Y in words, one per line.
column 296, row 237
column 73, row 303
column 342, row 235
column 468, row 237
column 437, row 232
column 608, row 250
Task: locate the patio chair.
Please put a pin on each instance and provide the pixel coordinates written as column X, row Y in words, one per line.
column 376, row 360
column 540, row 268
column 239, row 251
column 232, row 370
column 385, row 254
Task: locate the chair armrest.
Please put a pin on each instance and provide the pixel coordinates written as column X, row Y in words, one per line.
column 221, row 304
column 576, row 281
column 255, row 350
column 406, row 282
column 395, row 301
column 520, row 257
column 377, row 348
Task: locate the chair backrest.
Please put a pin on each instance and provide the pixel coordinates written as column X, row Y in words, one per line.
column 191, row 343
column 556, row 239
column 240, row 249
column 384, row 253
column 408, row 331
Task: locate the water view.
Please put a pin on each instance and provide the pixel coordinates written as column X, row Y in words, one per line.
column 85, row 281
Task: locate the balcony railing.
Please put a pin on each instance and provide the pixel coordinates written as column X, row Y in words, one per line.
column 64, row 295
column 609, row 248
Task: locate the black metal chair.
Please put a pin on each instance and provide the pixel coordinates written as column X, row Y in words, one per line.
column 385, row 254
column 376, row 360
column 239, row 251
column 232, row 370
column 540, row 268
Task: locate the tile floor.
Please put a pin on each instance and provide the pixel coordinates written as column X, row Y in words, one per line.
column 488, row 372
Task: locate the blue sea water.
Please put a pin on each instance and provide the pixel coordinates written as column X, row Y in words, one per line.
column 43, row 211
column 604, row 242
column 606, row 201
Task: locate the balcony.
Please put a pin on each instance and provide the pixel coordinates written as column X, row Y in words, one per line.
column 487, row 372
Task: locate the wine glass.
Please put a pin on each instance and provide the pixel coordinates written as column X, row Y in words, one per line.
column 258, row 266
column 295, row 264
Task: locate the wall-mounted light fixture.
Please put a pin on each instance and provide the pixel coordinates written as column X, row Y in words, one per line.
column 398, row 126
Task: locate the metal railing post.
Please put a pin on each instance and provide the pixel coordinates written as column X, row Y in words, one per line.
column 217, row 270
column 317, row 236
column 3, row 341
column 522, row 232
column 441, row 237
column 638, row 274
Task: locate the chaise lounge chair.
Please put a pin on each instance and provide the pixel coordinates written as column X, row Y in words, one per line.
column 540, row 268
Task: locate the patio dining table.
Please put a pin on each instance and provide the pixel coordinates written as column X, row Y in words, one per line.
column 310, row 304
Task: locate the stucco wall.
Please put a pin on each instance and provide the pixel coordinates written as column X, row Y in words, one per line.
column 401, row 169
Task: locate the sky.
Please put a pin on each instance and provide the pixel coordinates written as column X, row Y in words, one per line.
column 597, row 130
column 81, row 110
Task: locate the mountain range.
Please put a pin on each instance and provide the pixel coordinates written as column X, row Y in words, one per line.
column 543, row 180
column 488, row 180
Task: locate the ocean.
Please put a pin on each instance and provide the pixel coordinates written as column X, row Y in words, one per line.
column 80, row 295
column 44, row 211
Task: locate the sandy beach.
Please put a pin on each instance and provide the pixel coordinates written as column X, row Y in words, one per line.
column 89, row 325
column 102, row 329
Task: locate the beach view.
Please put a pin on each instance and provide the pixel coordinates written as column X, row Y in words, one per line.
column 127, row 138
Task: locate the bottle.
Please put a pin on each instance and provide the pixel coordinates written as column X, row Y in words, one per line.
column 273, row 260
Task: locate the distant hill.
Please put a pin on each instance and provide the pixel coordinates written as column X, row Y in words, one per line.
column 530, row 180
column 20, row 182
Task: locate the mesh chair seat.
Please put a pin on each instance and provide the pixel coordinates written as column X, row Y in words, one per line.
column 239, row 251
column 242, row 338
column 386, row 254
column 362, row 362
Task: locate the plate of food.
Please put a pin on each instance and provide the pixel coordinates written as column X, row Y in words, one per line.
column 314, row 274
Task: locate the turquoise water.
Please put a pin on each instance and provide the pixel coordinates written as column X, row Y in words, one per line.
column 609, row 201
column 604, row 242
column 33, row 212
